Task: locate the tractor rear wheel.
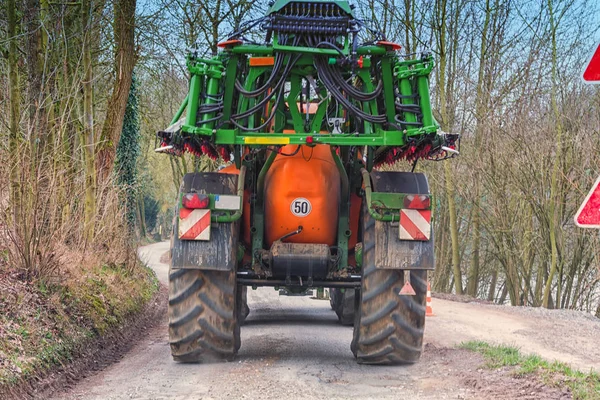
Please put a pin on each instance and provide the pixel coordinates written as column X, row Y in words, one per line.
column 343, row 304
column 242, row 306
column 333, row 298
column 388, row 327
column 203, row 320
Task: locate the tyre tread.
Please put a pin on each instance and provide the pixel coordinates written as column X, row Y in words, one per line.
column 388, row 327
column 202, row 315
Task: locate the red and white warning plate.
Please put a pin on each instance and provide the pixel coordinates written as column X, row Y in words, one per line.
column 194, row 224
column 588, row 215
column 415, row 224
column 591, row 72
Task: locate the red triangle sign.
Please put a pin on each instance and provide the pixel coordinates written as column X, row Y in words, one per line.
column 591, row 73
column 407, row 290
column 588, row 215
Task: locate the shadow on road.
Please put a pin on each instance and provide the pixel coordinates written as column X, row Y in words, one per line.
column 299, row 317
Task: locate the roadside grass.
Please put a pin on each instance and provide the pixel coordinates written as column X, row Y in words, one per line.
column 44, row 324
column 583, row 386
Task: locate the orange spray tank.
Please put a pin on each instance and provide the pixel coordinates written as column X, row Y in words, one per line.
column 302, row 189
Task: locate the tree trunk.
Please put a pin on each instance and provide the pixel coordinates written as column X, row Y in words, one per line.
column 492, row 291
column 15, row 106
column 441, row 15
column 127, row 154
column 473, row 278
column 125, row 59
column 453, row 229
column 528, row 255
column 552, row 218
column 87, row 139
column 480, row 114
column 503, row 294
column 141, row 210
column 33, row 42
column 441, row 280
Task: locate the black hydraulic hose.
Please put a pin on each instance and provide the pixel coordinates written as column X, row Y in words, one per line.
column 336, row 74
column 408, row 108
column 379, row 119
column 398, row 120
column 210, row 106
column 352, row 90
column 218, row 98
column 257, row 92
column 279, row 59
column 333, row 46
column 267, row 122
column 327, row 72
column 255, row 108
column 208, row 110
column 412, row 108
column 355, row 40
column 264, row 101
column 335, row 92
column 213, row 119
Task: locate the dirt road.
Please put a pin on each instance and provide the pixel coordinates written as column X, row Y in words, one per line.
column 293, row 347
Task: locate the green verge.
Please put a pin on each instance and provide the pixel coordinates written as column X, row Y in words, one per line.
column 583, row 386
column 43, row 325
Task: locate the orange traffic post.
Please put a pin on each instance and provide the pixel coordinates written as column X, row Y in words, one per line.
column 428, row 309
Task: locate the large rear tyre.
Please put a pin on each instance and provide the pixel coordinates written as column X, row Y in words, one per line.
column 388, row 327
column 344, row 305
column 242, row 306
column 333, row 298
column 203, row 320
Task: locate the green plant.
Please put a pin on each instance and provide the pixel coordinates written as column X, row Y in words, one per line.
column 583, row 386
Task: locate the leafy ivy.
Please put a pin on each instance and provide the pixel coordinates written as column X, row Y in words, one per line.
column 128, row 152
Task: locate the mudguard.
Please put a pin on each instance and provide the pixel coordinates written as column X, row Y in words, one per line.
column 220, row 252
column 390, row 251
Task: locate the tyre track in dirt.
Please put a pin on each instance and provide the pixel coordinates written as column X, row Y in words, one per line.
column 293, row 347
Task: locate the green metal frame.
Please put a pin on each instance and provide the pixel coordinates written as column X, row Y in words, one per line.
column 214, row 80
column 209, row 75
column 258, row 216
column 344, row 232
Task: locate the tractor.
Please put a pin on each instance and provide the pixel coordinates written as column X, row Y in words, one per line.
column 307, row 123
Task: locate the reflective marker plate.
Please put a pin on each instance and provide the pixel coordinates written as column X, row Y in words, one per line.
column 227, row 202
column 266, row 140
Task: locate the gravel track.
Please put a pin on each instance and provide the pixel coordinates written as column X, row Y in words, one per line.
column 293, row 347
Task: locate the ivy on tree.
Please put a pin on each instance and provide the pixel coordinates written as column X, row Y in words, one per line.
column 128, row 151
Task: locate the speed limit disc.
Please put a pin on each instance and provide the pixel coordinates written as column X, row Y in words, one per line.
column 301, row 207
